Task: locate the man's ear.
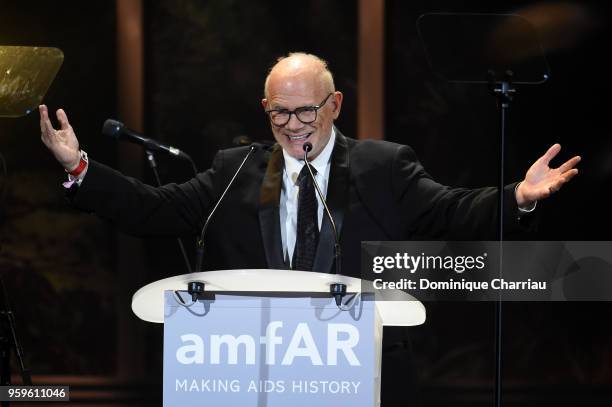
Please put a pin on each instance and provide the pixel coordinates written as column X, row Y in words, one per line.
column 337, row 103
column 264, row 103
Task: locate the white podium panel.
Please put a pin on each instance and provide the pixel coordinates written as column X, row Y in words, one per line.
column 238, row 350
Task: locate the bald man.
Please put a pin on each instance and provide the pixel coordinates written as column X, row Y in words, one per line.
column 376, row 190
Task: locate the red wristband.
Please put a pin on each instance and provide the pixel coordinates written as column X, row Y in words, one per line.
column 80, row 168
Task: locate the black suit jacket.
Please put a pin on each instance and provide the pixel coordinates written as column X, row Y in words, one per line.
column 377, row 191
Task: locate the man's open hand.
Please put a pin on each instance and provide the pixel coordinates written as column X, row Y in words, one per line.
column 63, row 142
column 541, row 180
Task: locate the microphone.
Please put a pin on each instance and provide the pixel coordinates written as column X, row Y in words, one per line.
column 242, row 140
column 337, row 290
column 200, row 245
column 116, row 129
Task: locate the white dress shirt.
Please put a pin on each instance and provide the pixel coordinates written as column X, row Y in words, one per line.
column 290, row 191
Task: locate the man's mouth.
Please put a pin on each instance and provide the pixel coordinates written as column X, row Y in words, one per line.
column 298, row 137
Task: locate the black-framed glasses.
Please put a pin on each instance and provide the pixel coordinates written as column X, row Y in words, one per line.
column 305, row 114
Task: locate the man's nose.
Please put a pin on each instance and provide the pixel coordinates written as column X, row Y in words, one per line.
column 294, row 123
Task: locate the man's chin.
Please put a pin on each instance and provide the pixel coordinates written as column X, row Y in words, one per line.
column 296, row 150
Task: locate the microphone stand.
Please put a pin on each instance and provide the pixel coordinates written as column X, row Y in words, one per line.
column 8, row 341
column 337, row 290
column 8, row 330
column 504, row 92
column 153, row 166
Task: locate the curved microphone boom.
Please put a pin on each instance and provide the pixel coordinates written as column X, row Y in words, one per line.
column 337, row 290
column 200, row 245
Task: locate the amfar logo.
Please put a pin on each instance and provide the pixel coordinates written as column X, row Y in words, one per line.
column 302, row 344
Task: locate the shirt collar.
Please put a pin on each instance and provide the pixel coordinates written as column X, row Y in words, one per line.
column 294, row 166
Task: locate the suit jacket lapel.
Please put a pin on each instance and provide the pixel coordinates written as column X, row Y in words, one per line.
column 269, row 215
column 337, row 201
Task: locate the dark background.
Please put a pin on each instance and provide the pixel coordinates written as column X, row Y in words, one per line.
column 205, row 62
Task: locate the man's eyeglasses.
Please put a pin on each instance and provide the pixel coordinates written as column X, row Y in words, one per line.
column 305, row 114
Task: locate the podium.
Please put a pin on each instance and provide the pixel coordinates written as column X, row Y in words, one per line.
column 272, row 337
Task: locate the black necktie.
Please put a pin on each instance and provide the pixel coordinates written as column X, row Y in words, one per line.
column 307, row 223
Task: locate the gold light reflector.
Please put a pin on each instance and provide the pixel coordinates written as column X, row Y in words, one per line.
column 25, row 76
